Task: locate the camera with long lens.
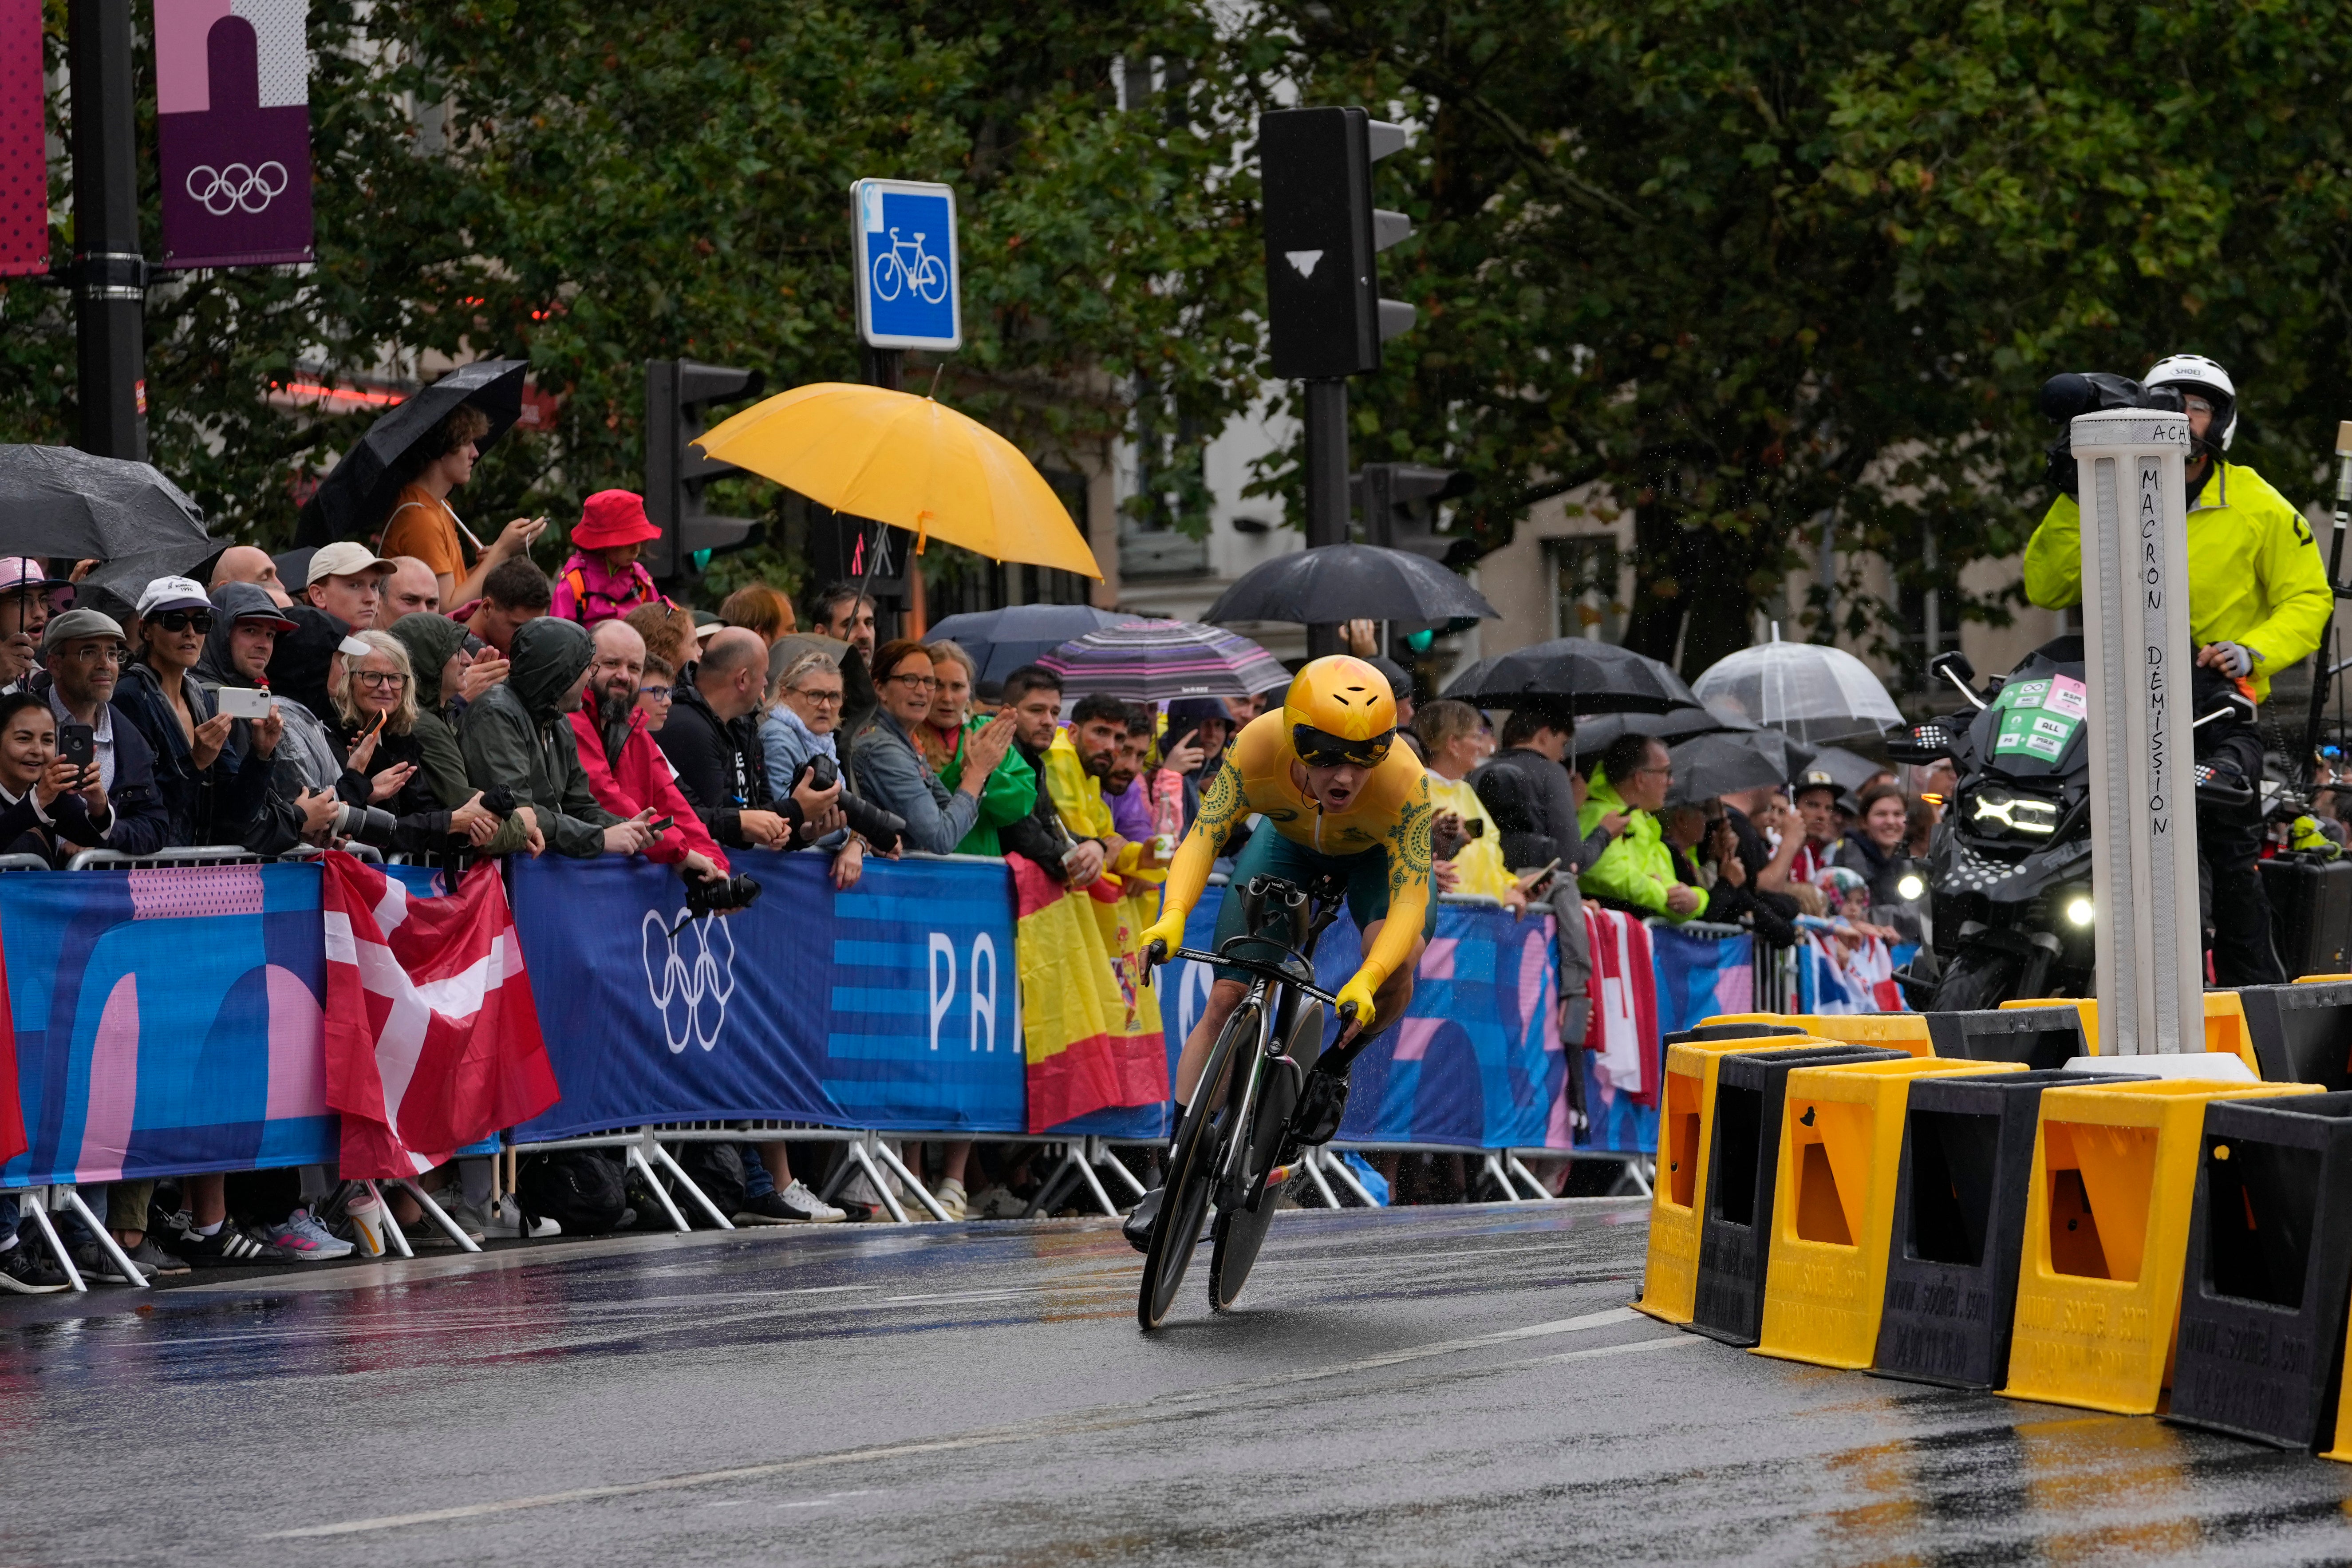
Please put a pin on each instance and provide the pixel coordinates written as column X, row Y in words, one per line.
column 2092, row 392
column 371, row 826
column 717, row 895
column 878, row 827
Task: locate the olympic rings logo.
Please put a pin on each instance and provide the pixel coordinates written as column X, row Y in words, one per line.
column 223, row 191
column 690, row 993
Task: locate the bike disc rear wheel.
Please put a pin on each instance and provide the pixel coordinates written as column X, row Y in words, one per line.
column 1192, row 1181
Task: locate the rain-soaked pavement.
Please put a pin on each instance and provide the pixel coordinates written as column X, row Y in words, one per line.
column 1433, row 1385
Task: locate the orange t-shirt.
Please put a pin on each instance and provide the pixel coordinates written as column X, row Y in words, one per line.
column 423, row 525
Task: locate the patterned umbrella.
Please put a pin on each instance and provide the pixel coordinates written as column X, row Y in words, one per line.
column 1159, row 662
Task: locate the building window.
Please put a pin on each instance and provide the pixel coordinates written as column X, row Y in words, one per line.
column 1585, row 570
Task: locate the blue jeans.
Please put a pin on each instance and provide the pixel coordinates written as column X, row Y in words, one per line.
column 757, row 1183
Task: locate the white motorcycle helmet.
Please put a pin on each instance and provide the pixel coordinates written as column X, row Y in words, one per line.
column 2195, row 372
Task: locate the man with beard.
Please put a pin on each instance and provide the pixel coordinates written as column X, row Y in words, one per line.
column 627, row 771
column 1080, row 759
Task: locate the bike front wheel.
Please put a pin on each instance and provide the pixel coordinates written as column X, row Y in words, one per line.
column 1241, row 1229
column 1192, row 1167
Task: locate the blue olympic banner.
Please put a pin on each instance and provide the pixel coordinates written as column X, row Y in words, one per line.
column 892, row 1007
column 167, row 1021
column 1476, row 1063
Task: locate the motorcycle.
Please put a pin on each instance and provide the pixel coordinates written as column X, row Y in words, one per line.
column 2009, row 867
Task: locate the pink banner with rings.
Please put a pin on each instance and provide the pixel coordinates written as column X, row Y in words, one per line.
column 24, row 157
column 233, row 132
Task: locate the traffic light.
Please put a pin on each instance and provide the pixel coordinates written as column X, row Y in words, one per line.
column 1322, row 288
column 1398, row 503
column 679, row 395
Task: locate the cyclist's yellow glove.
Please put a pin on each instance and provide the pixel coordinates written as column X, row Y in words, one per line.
column 1167, row 929
column 1359, row 992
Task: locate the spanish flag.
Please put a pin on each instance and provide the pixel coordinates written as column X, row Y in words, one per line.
column 1092, row 1027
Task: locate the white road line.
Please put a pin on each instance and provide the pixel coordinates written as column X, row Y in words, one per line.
column 990, row 1436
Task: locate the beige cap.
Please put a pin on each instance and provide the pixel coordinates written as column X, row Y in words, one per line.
column 345, row 559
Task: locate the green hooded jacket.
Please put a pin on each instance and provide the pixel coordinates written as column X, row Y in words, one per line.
column 516, row 734
column 1010, row 793
column 1637, row 868
column 430, row 640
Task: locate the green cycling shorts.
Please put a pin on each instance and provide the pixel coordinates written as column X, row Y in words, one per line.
column 1269, row 854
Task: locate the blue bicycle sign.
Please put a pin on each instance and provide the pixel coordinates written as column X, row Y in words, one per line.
column 908, row 293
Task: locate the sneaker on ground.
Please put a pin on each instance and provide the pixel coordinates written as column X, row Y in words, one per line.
column 473, row 1220
column 29, row 1270
column 301, row 1234
column 794, row 1206
column 229, row 1247
column 98, row 1266
column 995, row 1202
column 153, row 1260
column 951, row 1198
column 505, row 1220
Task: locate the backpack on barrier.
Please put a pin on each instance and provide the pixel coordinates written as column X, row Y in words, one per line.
column 579, row 1189
column 717, row 1170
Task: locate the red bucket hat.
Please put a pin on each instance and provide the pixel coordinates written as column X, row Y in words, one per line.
column 611, row 517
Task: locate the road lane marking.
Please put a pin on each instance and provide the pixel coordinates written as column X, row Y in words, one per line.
column 1045, row 1427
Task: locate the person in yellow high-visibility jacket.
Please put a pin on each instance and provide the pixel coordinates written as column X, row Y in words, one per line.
column 2258, row 594
column 2258, row 601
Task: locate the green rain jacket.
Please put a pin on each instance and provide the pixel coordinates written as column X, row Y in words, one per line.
column 516, row 734
column 1637, row 868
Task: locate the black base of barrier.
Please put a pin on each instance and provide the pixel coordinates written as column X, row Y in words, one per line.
column 1735, row 1238
column 1960, row 1223
column 1731, row 1032
column 2040, row 1037
column 2302, row 1033
column 2269, row 1267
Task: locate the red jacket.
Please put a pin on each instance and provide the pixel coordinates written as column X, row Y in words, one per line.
column 643, row 779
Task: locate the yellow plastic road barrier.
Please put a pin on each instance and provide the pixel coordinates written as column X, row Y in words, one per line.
column 2225, row 1024
column 1841, row 1145
column 1685, row 1140
column 2106, row 1238
column 1895, row 1031
column 2342, row 1448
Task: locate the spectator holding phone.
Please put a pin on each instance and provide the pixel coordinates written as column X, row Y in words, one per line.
column 1453, row 743
column 424, row 525
column 84, row 651
column 375, row 711
column 712, row 739
column 440, row 660
column 211, row 795
column 43, row 800
column 234, row 667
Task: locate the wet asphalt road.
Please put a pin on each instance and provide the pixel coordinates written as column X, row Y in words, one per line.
column 1432, row 1386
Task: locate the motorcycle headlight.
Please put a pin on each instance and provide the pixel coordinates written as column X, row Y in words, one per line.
column 1910, row 886
column 2080, row 911
column 2005, row 814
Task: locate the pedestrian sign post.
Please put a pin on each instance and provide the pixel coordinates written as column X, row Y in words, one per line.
column 909, row 293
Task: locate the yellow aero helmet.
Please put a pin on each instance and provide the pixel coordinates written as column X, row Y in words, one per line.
column 1339, row 710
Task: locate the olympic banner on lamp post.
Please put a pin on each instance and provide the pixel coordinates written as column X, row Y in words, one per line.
column 24, row 155
column 233, row 132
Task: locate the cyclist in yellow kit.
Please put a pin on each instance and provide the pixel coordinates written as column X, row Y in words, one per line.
column 1343, row 802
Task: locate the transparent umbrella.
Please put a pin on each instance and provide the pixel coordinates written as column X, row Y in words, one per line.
column 1805, row 689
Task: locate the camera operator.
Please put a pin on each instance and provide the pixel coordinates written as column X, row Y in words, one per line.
column 2258, row 601
column 712, row 739
column 515, row 737
column 625, row 769
column 802, row 723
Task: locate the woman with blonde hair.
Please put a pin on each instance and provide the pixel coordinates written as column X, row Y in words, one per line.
column 376, row 730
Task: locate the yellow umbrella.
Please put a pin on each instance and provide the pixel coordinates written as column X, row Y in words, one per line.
column 906, row 460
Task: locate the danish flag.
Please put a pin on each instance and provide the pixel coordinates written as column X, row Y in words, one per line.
column 432, row 1039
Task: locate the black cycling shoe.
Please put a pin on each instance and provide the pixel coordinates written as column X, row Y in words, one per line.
column 1322, row 1105
column 1141, row 1220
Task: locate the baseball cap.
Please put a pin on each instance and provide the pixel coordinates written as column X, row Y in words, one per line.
column 80, row 623
column 172, row 594
column 344, row 559
column 18, row 573
column 351, row 647
column 1812, row 778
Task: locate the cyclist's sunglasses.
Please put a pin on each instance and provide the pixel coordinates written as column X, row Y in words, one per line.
column 181, row 620
column 1322, row 749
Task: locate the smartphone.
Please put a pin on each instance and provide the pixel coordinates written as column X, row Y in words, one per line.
column 660, row 826
column 78, row 743
column 244, row 702
column 1477, row 826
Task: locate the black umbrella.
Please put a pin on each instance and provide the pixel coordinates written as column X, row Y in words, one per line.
column 1728, row 761
column 358, row 495
column 1002, row 641
column 1585, row 676
column 68, row 506
column 1335, row 582
column 1594, row 734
